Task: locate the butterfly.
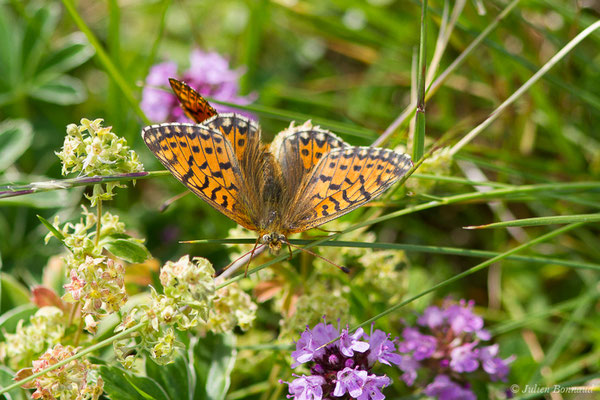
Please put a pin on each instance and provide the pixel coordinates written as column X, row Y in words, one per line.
column 306, row 177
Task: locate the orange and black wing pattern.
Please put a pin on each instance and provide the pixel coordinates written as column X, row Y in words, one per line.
column 343, row 180
column 193, row 104
column 299, row 149
column 241, row 132
column 205, row 161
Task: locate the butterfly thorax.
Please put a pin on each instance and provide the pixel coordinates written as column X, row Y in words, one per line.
column 272, row 197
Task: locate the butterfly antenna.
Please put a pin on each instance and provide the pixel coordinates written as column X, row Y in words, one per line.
column 342, row 268
column 327, row 230
column 172, row 200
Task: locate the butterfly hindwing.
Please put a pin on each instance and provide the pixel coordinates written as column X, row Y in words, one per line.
column 203, row 160
column 241, row 132
column 343, row 180
column 299, row 149
column 193, row 104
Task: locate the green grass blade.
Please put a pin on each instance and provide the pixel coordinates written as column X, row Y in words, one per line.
column 559, row 219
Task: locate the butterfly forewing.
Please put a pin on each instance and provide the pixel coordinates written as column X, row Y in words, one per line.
column 343, row 180
column 193, row 104
column 204, row 161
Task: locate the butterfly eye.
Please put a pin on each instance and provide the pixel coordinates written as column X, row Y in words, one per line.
column 266, row 238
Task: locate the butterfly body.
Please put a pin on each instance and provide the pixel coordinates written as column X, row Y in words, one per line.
column 307, row 176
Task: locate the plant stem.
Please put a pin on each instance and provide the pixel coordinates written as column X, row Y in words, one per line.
column 418, row 144
column 98, row 220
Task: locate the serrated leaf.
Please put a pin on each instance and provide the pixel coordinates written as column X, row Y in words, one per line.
column 165, row 375
column 122, row 385
column 15, row 138
column 214, row 358
column 129, row 250
column 62, row 90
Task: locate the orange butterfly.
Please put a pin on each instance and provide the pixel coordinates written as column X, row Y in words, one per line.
column 306, row 177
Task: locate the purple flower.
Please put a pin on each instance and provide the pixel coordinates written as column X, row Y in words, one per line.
column 307, row 348
column 351, row 381
column 409, row 366
column 209, row 74
column 382, row 349
column 422, row 346
column 344, row 365
column 444, row 389
column 157, row 103
column 446, row 341
column 496, row 367
column 372, row 387
column 349, row 344
column 432, row 317
column 464, row 358
column 462, row 319
column 306, row 387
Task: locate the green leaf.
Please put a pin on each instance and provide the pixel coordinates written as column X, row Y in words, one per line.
column 41, row 200
column 51, row 228
column 15, row 137
column 13, row 293
column 37, row 35
column 10, row 319
column 130, row 250
column 6, row 378
column 63, row 90
column 214, row 357
column 75, row 51
column 123, row 385
column 10, row 35
column 165, row 375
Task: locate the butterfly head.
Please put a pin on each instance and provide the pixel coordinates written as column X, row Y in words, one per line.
column 274, row 240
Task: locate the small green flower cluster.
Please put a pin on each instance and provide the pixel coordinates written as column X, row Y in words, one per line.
column 46, row 328
column 189, row 289
column 231, row 307
column 190, row 300
column 76, row 380
column 98, row 285
column 92, row 149
column 96, row 281
column 320, row 299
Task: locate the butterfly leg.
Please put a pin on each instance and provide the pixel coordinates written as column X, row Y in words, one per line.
column 250, row 258
column 290, row 250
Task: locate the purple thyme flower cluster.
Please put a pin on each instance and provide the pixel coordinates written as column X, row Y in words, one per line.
column 209, row 74
column 446, row 343
column 342, row 369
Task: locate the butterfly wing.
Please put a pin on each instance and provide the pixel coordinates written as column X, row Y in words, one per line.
column 343, row 180
column 298, row 149
column 203, row 160
column 193, row 104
